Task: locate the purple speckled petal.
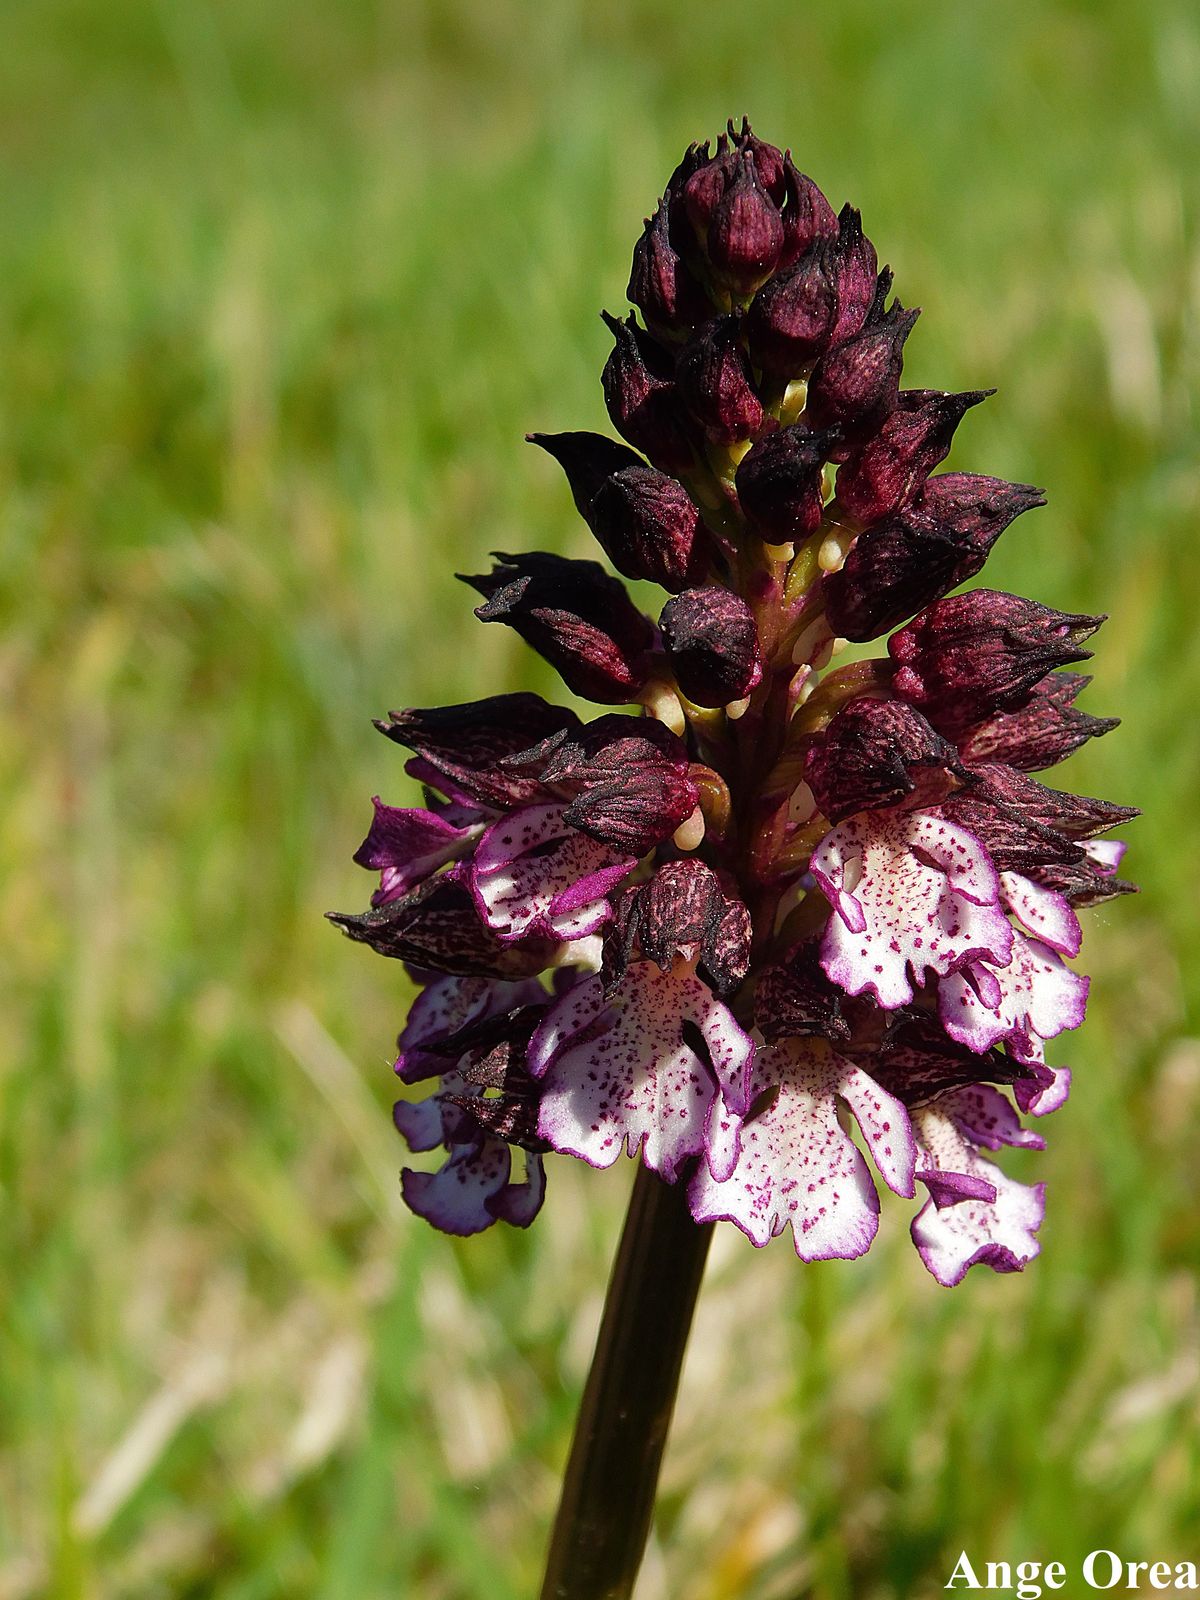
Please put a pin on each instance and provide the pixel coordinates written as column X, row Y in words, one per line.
column 580, row 1013
column 533, row 873
column 723, row 1141
column 910, row 892
column 621, row 1070
column 960, row 1226
column 797, row 1164
column 1042, row 912
column 986, row 1117
column 1035, row 993
column 456, row 1197
column 884, row 1123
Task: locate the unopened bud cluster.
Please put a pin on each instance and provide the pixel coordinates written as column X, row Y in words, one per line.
column 782, row 893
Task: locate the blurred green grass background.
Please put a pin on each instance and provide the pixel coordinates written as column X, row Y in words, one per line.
column 280, row 290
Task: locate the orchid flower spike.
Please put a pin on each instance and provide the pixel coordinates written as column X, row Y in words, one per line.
column 781, row 928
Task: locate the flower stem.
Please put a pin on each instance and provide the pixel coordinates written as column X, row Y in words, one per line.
column 608, row 1492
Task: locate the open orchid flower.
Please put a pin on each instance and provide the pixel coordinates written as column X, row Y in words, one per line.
column 794, row 1161
column 470, row 1033
column 659, row 1064
column 975, row 1213
column 783, row 923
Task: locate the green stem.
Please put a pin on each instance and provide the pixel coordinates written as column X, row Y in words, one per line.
column 608, row 1491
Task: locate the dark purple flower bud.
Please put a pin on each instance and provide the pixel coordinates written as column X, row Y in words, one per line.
column 916, row 1060
column 594, row 751
column 888, row 470
column 807, row 215
column 1082, row 882
column 796, row 999
column 467, row 744
column 1075, row 816
column 646, row 521
column 1014, row 841
column 712, row 644
column 922, row 551
column 438, row 929
column 856, row 275
column 1040, row 734
column 779, row 483
column 576, row 616
column 883, row 287
column 693, row 158
column 660, row 283
column 745, row 232
column 630, row 782
column 892, row 570
column 733, row 201
column 588, row 459
column 1035, row 831
column 768, row 160
column 635, row 809
column 879, row 753
column 974, row 654
column 714, row 381
column 856, row 386
column 973, row 508
column 641, row 399
column 793, row 315
column 703, row 186
column 683, row 910
column 649, row 527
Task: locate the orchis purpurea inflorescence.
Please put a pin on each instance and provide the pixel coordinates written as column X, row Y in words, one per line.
column 785, row 895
